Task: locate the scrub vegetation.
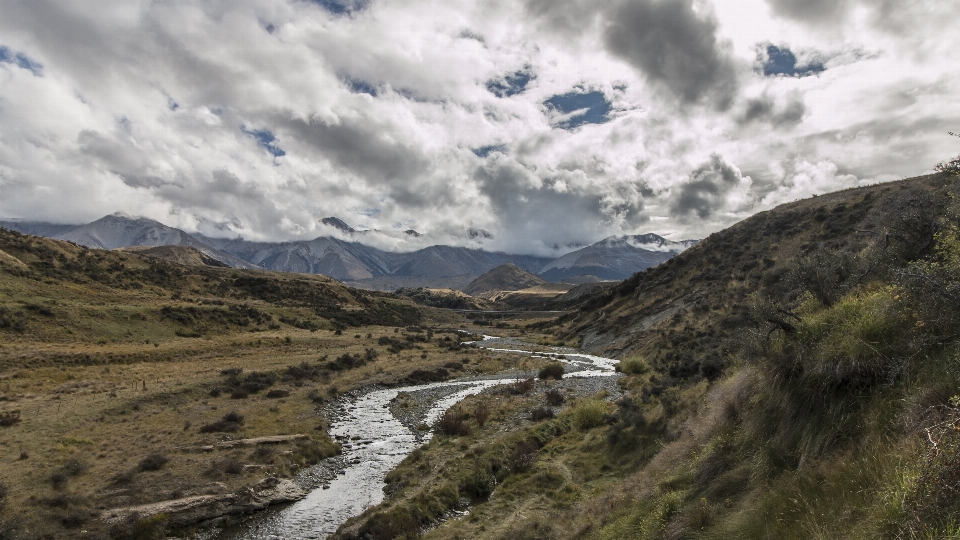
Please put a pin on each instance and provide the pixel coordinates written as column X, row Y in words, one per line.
column 794, row 376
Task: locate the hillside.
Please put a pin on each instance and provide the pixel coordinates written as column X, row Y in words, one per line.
column 184, row 255
column 794, row 376
column 127, row 379
column 506, row 277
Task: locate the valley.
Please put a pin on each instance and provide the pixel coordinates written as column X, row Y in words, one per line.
column 793, row 376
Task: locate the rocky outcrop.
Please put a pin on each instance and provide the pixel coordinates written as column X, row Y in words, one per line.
column 191, row 510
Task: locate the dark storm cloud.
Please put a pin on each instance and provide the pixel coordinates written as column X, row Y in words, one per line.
column 676, row 46
column 570, row 17
column 765, row 109
column 707, row 189
column 819, row 11
column 363, row 146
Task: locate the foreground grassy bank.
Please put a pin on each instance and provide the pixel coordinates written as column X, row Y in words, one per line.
column 795, row 376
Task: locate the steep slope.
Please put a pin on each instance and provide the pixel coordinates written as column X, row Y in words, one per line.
column 613, row 258
column 185, row 255
column 506, row 277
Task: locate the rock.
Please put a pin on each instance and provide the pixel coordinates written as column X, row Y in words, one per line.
column 191, row 510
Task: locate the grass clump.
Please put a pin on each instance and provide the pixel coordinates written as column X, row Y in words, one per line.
column 553, row 370
column 589, row 413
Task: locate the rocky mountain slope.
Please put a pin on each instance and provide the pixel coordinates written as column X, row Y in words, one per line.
column 613, row 258
column 506, row 277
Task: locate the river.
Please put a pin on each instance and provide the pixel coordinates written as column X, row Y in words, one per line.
column 374, row 441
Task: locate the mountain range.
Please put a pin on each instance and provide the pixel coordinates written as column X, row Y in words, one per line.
column 364, row 266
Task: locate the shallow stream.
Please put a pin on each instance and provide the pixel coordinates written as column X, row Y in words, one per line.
column 374, row 441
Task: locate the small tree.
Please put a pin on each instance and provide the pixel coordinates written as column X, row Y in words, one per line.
column 951, row 167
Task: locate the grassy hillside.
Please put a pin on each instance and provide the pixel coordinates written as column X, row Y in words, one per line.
column 794, row 376
column 799, row 373
column 121, row 373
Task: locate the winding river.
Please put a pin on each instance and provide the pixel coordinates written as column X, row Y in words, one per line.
column 374, row 442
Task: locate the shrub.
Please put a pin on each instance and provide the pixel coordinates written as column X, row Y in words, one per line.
column 239, row 393
column 541, row 413
column 554, row 397
column 524, row 454
column 633, row 365
column 522, row 386
column 278, row 393
column 9, row 418
column 453, row 422
column 553, row 370
column 72, row 467
column 482, row 413
column 153, row 462
column 588, row 413
column 230, row 423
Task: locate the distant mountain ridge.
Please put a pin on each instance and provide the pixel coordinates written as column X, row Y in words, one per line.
column 614, row 258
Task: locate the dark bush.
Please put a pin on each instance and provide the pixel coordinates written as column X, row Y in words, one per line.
column 524, row 454
column 230, row 423
column 239, row 393
column 278, row 393
column 153, row 462
column 256, row 381
column 9, row 418
column 302, row 372
column 541, row 413
column 522, row 386
column 482, row 413
column 554, row 397
column 553, row 370
column 72, row 467
column 453, row 422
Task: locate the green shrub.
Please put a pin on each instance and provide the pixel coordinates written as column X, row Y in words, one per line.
column 553, row 370
column 588, row 413
column 633, row 365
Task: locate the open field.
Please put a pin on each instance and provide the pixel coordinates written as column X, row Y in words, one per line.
column 121, row 377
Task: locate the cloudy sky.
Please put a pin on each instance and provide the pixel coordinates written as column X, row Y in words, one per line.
column 524, row 126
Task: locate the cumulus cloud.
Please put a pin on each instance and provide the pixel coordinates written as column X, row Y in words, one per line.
column 675, row 43
column 542, row 123
column 715, row 186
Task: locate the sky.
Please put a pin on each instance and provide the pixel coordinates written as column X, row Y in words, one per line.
column 526, row 126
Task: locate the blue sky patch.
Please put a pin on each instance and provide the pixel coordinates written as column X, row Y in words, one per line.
column 510, row 85
column 265, row 139
column 21, row 60
column 361, row 87
column 594, row 108
column 342, row 7
column 782, row 61
column 485, row 151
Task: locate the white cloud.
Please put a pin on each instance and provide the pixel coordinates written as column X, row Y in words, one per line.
column 141, row 108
